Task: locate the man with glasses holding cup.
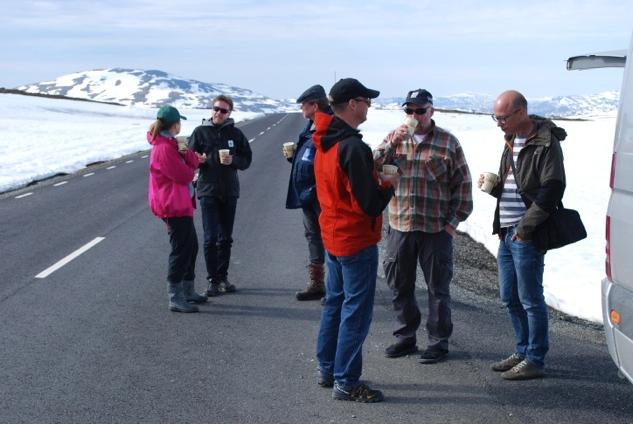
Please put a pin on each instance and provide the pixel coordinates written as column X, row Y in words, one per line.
column 433, row 196
column 225, row 150
column 531, row 185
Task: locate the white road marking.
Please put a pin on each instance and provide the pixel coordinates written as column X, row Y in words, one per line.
column 89, row 174
column 24, row 195
column 268, row 129
column 48, row 271
column 261, row 133
column 60, row 183
column 251, row 140
column 129, row 161
column 111, row 167
column 144, row 156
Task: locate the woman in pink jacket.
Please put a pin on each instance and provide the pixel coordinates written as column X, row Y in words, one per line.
column 171, row 198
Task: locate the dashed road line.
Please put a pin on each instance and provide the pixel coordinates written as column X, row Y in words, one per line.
column 89, row 174
column 129, row 161
column 60, row 183
column 48, row 271
column 111, row 167
column 21, row 196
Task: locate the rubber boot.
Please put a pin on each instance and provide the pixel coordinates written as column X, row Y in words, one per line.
column 190, row 293
column 316, row 286
column 177, row 302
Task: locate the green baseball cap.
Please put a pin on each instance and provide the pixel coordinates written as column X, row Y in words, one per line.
column 169, row 115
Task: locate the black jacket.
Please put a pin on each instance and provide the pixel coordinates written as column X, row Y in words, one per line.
column 215, row 179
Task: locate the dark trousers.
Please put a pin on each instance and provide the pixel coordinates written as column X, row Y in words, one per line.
column 184, row 249
column 313, row 233
column 218, row 216
column 434, row 253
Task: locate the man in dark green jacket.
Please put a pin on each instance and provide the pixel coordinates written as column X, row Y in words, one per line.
column 530, row 187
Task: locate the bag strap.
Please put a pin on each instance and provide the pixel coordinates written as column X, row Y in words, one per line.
column 516, row 181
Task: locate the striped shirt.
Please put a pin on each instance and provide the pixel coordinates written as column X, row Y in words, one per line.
column 511, row 207
column 435, row 188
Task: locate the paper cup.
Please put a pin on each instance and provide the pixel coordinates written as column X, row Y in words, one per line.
column 183, row 142
column 224, row 153
column 289, row 148
column 411, row 124
column 490, row 180
column 389, row 169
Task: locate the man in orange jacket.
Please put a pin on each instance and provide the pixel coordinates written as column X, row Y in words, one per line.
column 352, row 198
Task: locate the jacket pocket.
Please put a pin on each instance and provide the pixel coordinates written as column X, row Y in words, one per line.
column 435, row 169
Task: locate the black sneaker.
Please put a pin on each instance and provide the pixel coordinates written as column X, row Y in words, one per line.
column 401, row 348
column 432, row 356
column 359, row 393
column 325, row 380
column 225, row 287
column 213, row 289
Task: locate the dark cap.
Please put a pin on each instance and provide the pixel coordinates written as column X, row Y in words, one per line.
column 169, row 115
column 419, row 97
column 349, row 88
column 313, row 93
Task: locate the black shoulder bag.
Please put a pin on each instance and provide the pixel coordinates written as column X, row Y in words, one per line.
column 561, row 228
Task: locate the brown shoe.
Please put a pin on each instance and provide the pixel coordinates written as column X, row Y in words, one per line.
column 525, row 370
column 505, row 364
column 316, row 286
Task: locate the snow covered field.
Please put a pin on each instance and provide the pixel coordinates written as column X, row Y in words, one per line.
column 42, row 137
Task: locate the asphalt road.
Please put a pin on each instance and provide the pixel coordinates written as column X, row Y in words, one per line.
column 93, row 341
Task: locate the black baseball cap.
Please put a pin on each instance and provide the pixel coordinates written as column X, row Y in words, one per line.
column 349, row 88
column 419, row 97
column 313, row 93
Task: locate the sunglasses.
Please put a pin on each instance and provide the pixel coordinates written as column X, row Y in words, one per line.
column 220, row 109
column 364, row 100
column 418, row 111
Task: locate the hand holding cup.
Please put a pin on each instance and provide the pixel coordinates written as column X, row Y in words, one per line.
column 225, row 156
column 182, row 143
column 487, row 181
column 288, row 149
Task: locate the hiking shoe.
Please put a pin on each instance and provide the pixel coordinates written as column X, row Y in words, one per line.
column 325, row 380
column 401, row 348
column 525, row 370
column 358, row 393
column 213, row 289
column 226, row 287
column 431, row 356
column 505, row 364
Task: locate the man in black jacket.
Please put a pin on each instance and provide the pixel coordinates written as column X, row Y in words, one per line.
column 226, row 150
column 302, row 190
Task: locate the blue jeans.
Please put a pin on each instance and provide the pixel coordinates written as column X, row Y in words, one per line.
column 346, row 314
column 218, row 216
column 521, row 288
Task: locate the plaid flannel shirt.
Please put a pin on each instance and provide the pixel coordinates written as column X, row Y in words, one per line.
column 435, row 188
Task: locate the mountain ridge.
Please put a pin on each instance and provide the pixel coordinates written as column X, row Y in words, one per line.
column 154, row 88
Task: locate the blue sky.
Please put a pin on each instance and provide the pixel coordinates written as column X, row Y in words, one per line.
column 279, row 48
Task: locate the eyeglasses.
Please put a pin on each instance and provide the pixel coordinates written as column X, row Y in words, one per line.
column 418, row 111
column 503, row 119
column 364, row 100
column 220, row 109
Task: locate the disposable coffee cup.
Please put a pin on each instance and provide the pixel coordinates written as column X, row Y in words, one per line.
column 490, row 180
column 389, row 169
column 183, row 142
column 289, row 148
column 411, row 124
column 224, row 154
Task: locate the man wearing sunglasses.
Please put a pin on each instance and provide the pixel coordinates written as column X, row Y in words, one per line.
column 218, row 188
column 530, row 188
column 433, row 196
column 302, row 190
column 352, row 198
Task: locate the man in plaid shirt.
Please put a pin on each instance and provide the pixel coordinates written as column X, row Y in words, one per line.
column 433, row 196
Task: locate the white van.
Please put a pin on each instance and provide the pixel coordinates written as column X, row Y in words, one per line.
column 617, row 287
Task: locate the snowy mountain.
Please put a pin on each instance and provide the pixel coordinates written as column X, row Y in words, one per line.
column 153, row 88
column 561, row 106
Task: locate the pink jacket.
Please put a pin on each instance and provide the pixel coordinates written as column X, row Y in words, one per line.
column 170, row 177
